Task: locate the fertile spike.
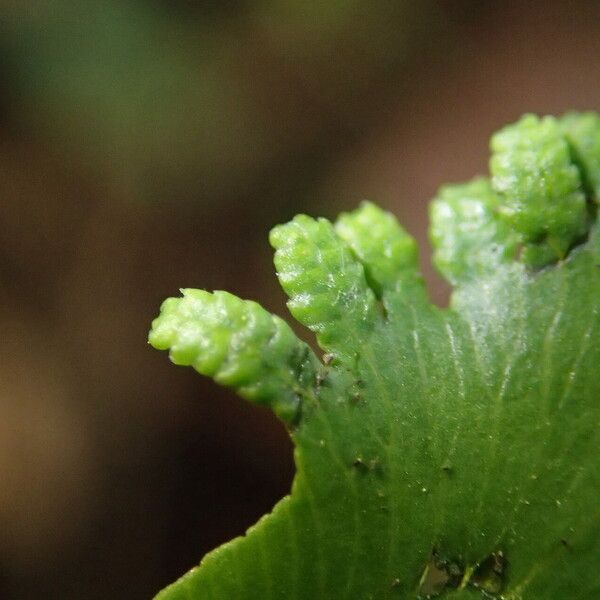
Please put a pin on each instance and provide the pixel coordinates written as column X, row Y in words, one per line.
column 326, row 284
column 541, row 190
column 387, row 252
column 239, row 344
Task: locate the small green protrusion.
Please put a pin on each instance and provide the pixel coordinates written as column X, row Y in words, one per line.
column 387, row 252
column 583, row 134
column 469, row 238
column 325, row 282
column 541, row 191
column 239, row 344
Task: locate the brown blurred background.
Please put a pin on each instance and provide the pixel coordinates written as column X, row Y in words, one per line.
column 147, row 145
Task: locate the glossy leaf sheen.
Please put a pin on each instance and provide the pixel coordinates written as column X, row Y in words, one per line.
column 469, row 434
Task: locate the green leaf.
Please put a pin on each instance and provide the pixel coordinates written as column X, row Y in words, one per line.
column 447, row 453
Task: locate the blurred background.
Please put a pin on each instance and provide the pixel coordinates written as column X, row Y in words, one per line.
column 148, row 145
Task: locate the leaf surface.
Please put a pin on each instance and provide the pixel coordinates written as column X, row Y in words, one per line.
column 439, row 452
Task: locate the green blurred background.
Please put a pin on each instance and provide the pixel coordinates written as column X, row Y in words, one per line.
column 149, row 145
